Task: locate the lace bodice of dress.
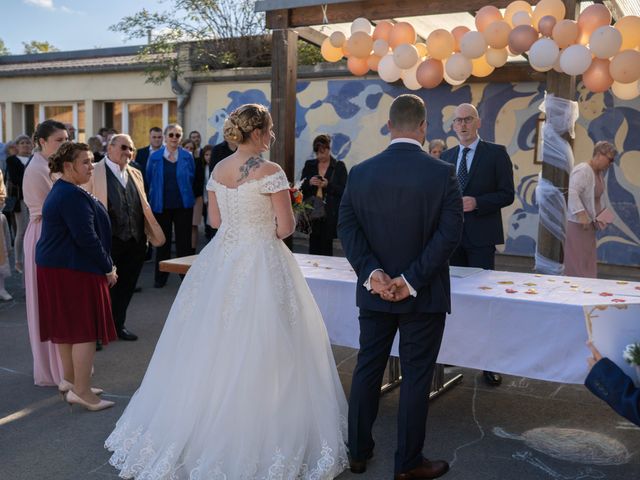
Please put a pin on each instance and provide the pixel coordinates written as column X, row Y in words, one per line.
column 246, row 211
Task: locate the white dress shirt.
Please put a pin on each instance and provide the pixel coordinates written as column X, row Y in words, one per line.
column 472, row 151
column 121, row 174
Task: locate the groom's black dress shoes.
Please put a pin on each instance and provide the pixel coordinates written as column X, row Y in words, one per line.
column 360, row 466
column 126, row 335
column 492, row 378
column 428, row 469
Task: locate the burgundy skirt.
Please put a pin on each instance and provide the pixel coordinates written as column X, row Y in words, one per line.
column 74, row 306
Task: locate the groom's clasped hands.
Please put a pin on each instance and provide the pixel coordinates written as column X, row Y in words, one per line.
column 389, row 289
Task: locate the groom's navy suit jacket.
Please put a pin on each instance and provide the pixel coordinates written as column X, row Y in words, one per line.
column 402, row 212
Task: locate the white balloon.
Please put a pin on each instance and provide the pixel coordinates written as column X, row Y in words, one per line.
column 388, row 70
column 575, row 59
column 521, row 18
column 361, row 25
column 497, row 57
column 410, row 79
column 605, row 41
column 458, row 67
column 451, row 81
column 473, row 44
column 543, row 53
column 626, row 91
column 380, row 47
column 406, row 56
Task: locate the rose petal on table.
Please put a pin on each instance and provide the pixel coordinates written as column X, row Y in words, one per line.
column 511, row 290
column 485, row 288
column 587, row 291
column 618, row 300
column 606, row 294
column 530, row 284
column 506, row 282
column 531, row 291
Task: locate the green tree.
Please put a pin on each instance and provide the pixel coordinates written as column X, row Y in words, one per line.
column 35, row 46
column 3, row 48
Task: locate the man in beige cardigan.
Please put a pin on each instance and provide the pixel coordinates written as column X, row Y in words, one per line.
column 120, row 189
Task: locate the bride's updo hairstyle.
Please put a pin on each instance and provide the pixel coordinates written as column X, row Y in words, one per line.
column 67, row 152
column 244, row 120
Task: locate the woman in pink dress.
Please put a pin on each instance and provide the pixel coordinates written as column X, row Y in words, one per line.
column 47, row 366
column 586, row 187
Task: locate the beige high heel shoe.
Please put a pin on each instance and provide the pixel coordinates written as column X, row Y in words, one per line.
column 71, row 398
column 65, row 386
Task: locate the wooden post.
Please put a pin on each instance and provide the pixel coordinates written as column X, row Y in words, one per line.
column 562, row 86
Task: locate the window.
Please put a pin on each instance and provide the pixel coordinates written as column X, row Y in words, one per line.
column 30, row 118
column 112, row 116
column 141, row 117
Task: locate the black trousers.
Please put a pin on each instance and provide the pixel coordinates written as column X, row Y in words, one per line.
column 176, row 220
column 481, row 257
column 128, row 258
column 420, row 338
column 321, row 238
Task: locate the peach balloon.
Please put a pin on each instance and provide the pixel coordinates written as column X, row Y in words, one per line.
column 430, row 73
column 329, row 52
column 605, row 42
column 626, row 91
column 360, row 45
column 521, row 38
column 406, row 56
column 486, row 16
column 515, row 7
column 546, row 24
column 565, row 33
column 592, row 17
column 554, row 8
column 629, row 27
column 402, row 32
column 597, row 78
column 480, row 67
column 373, row 61
column 382, row 30
column 458, row 32
column 337, row 39
column 625, row 66
column 357, row 66
column 380, row 47
column 497, row 34
column 345, row 50
column 440, row 44
column 388, row 70
column 458, row 67
column 575, row 59
column 361, row 25
column 521, row 18
column 473, row 45
column 422, row 49
column 497, row 57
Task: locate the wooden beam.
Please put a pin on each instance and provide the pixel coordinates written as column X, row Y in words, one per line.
column 311, row 35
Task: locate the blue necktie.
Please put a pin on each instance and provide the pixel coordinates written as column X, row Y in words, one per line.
column 463, row 174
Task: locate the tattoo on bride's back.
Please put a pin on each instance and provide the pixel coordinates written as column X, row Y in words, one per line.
column 251, row 164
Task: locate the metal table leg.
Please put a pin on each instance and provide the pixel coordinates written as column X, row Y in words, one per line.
column 438, row 385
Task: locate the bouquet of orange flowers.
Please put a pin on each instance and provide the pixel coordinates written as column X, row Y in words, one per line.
column 300, row 209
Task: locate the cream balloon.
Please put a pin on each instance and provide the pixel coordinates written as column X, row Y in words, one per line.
column 554, row 8
column 337, row 39
column 440, row 44
column 458, row 67
column 575, row 59
column 380, row 47
column 361, row 25
column 406, row 56
column 626, row 91
column 409, row 78
column 625, row 66
column 497, row 57
column 565, row 33
column 388, row 70
column 540, row 69
column 450, row 80
column 486, row 16
column 473, row 45
column 520, row 18
column 605, row 42
column 329, row 52
column 543, row 54
column 515, row 7
column 497, row 34
column 629, row 27
column 360, row 44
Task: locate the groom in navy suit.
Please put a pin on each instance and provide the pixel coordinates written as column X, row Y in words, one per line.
column 399, row 221
column 485, row 176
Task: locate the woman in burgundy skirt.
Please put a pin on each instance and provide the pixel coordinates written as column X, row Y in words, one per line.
column 75, row 272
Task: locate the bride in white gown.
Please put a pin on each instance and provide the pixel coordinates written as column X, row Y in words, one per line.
column 242, row 384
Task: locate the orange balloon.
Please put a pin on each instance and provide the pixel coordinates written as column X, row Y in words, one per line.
column 329, row 52
column 345, row 50
column 402, row 32
column 430, row 73
column 358, row 66
column 592, row 17
column 521, row 38
column 546, row 24
column 565, row 33
column 629, row 27
column 481, row 67
column 373, row 61
column 514, row 7
column 597, row 77
column 458, row 32
column 422, row 49
column 486, row 16
column 497, row 34
column 497, row 57
column 625, row 66
column 360, row 45
column 382, row 30
column 440, row 44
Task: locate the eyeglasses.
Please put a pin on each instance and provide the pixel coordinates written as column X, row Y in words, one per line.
column 174, row 135
column 124, row 148
column 465, row 120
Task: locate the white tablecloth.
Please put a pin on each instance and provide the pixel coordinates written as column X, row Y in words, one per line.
column 520, row 324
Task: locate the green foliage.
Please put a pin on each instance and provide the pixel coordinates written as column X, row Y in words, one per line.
column 3, row 48
column 308, row 53
column 35, row 46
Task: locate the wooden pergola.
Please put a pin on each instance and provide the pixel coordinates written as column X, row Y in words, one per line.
column 283, row 17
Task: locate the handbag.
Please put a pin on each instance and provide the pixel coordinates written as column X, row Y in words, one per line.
column 319, row 211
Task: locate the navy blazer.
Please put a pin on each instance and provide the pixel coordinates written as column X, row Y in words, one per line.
column 76, row 233
column 491, row 184
column 608, row 382
column 402, row 212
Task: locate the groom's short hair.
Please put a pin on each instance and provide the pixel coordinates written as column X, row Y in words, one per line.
column 407, row 112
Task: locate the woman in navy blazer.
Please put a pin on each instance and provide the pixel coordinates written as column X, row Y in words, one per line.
column 74, row 273
column 171, row 179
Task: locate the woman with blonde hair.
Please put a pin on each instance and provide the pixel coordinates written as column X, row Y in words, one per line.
column 242, row 383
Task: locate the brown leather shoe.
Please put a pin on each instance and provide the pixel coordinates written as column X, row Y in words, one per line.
column 428, row 469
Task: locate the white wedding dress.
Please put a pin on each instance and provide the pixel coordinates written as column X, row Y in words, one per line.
column 243, row 383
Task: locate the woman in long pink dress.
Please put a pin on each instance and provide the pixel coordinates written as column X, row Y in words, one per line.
column 586, row 187
column 47, row 366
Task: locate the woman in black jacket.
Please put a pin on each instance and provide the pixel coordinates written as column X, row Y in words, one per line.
column 324, row 177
